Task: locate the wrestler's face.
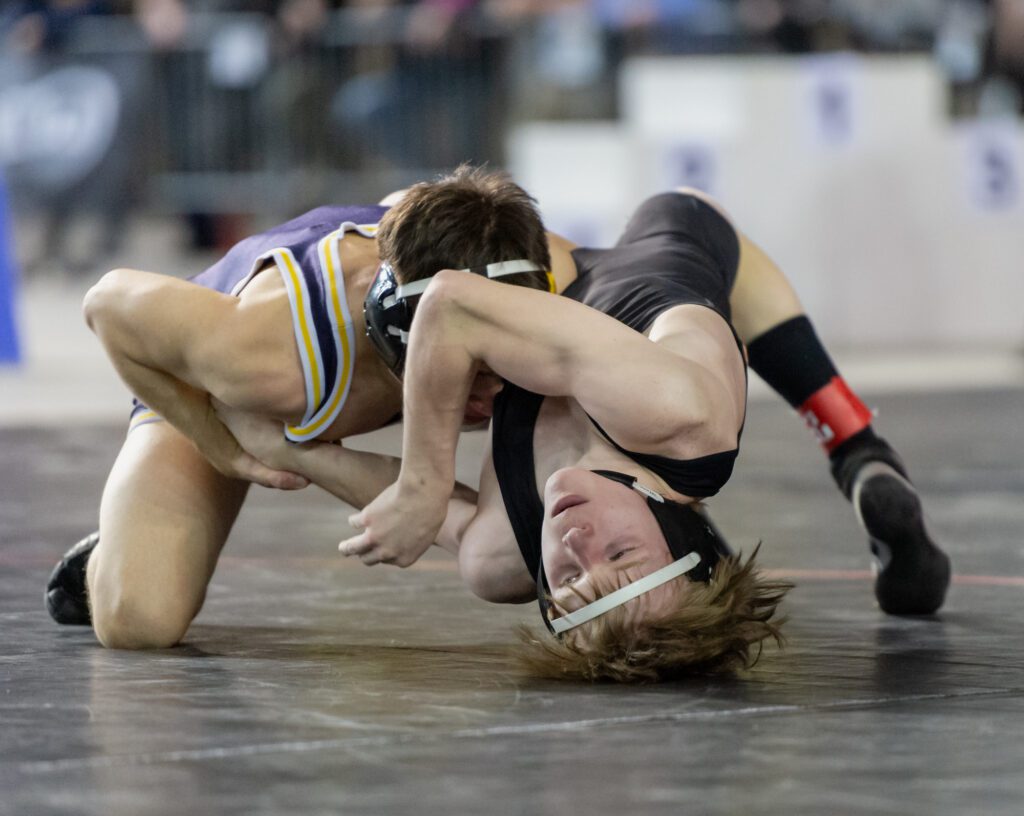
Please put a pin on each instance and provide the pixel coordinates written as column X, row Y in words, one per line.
column 480, row 404
column 599, row 534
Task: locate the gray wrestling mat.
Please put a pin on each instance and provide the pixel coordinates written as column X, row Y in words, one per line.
column 313, row 685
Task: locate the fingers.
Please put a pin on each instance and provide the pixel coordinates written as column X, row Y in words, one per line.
column 251, row 469
column 356, row 545
column 290, row 481
column 365, row 548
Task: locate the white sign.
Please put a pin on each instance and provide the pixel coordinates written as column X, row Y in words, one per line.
column 994, row 165
column 831, row 102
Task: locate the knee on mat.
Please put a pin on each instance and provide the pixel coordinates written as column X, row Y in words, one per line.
column 139, row 623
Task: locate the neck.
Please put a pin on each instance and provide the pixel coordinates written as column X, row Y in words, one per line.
column 360, row 260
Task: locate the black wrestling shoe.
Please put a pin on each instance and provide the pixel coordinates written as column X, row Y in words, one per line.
column 65, row 591
column 912, row 572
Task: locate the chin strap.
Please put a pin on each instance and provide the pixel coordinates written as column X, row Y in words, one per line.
column 625, row 594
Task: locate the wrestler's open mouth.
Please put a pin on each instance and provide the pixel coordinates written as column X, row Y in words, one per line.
column 565, row 503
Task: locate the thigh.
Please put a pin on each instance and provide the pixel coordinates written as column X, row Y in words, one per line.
column 164, row 518
column 762, row 297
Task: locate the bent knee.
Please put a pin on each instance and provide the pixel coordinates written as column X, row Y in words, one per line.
column 134, row 623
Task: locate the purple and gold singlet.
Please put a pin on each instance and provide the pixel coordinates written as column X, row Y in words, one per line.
column 305, row 252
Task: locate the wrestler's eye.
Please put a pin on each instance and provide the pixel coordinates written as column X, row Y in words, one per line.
column 570, row 579
column 620, row 553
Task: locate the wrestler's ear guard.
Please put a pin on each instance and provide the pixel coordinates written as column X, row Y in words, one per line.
column 387, row 319
column 388, row 309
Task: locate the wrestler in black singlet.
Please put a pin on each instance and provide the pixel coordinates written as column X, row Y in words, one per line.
column 675, row 250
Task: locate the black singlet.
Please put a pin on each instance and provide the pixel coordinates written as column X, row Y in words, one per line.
column 676, row 250
column 512, row 427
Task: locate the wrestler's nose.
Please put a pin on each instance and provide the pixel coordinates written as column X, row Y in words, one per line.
column 577, row 540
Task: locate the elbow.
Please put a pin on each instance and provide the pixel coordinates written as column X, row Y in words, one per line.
column 447, row 300
column 102, row 297
column 442, row 301
column 488, row 578
column 445, row 294
column 478, row 582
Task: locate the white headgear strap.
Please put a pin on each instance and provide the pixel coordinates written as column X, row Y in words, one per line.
column 494, row 270
column 625, row 594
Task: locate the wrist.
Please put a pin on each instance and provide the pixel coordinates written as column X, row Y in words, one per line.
column 303, row 457
column 425, row 487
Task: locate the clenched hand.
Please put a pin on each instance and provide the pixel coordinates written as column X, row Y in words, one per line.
column 398, row 526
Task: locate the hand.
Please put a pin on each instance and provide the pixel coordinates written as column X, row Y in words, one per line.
column 397, row 527
column 258, row 435
column 226, row 455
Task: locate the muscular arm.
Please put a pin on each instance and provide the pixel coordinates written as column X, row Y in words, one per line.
column 356, row 477
column 646, row 396
column 174, row 343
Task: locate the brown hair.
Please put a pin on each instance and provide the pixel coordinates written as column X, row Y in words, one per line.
column 716, row 628
column 469, row 218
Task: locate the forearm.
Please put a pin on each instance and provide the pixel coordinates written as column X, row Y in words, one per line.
column 355, row 477
column 438, row 374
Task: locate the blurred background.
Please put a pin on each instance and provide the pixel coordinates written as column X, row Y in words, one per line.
column 875, row 148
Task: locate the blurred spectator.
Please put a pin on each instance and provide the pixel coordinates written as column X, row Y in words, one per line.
column 37, row 26
column 163, row 22
column 434, row 101
column 562, row 55
column 69, row 146
column 1008, row 45
column 221, row 108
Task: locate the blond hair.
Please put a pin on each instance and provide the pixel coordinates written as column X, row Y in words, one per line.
column 716, row 627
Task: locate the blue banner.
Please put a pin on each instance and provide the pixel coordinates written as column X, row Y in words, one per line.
column 9, row 351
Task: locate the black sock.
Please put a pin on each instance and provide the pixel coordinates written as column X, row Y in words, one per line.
column 792, row 360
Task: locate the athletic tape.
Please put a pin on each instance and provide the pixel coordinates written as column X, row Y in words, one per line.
column 834, row 413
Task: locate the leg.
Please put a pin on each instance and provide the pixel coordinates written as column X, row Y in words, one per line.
column 786, row 352
column 164, row 517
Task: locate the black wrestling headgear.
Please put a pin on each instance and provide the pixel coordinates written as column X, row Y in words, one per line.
column 388, row 312
column 694, row 542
